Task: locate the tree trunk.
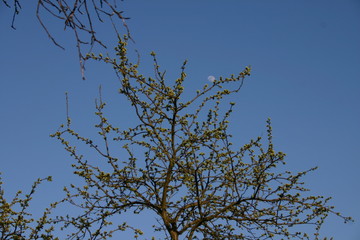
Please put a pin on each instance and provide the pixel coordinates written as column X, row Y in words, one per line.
column 174, row 235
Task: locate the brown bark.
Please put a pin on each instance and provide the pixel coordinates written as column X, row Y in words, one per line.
column 174, row 235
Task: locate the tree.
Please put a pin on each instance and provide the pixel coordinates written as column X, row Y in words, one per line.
column 185, row 168
column 182, row 165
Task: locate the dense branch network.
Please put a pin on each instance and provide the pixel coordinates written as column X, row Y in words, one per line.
column 185, row 168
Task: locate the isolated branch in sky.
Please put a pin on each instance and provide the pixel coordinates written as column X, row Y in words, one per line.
column 179, row 162
column 81, row 16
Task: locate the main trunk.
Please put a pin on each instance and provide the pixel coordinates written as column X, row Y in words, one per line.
column 174, row 235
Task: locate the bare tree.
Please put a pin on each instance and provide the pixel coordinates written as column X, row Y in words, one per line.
column 81, row 16
column 185, row 168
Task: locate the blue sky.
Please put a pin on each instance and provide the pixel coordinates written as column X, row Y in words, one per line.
column 305, row 57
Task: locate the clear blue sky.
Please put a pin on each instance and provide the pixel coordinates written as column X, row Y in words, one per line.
column 305, row 57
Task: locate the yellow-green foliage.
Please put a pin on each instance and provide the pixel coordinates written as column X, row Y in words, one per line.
column 16, row 223
column 185, row 168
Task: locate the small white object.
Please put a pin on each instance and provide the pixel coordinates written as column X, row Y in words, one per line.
column 211, row 78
